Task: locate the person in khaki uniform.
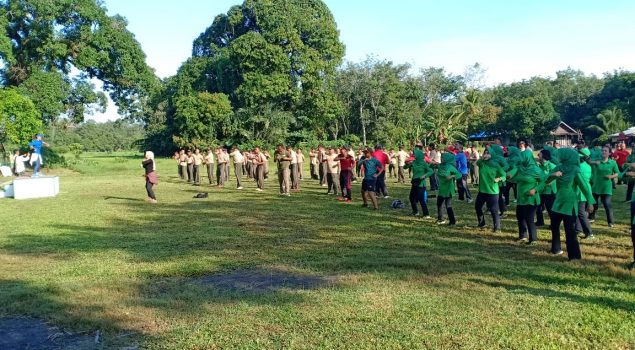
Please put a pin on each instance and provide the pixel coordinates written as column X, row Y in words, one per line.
column 259, row 161
column 283, row 159
column 333, row 173
column 238, row 158
column 196, row 171
column 209, row 163
column 293, row 168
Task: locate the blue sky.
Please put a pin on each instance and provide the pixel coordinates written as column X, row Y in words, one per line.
column 513, row 40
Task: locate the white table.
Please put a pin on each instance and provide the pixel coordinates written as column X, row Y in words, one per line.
column 36, row 187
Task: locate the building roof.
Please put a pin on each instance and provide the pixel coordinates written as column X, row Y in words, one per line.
column 628, row 132
column 564, row 129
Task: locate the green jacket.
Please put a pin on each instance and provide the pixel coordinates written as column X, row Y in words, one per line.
column 447, row 175
column 587, row 174
column 489, row 170
column 602, row 185
column 569, row 183
column 420, row 169
column 547, row 168
column 528, row 177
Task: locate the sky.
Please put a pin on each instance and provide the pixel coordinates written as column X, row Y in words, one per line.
column 512, row 40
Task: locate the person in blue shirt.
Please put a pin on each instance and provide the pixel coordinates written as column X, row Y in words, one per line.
column 461, row 165
column 36, row 157
column 372, row 168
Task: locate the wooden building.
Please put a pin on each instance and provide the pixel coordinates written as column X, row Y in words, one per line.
column 565, row 135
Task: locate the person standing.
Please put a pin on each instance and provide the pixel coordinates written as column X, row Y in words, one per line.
column 420, row 170
column 150, row 168
column 492, row 173
column 176, row 158
column 371, row 168
column 190, row 166
column 221, row 167
column 565, row 206
column 183, row 163
column 447, row 173
column 333, row 173
column 301, row 158
column 496, row 155
column 473, row 157
column 347, row 164
column 198, row 161
column 259, row 162
column 605, row 172
column 209, row 164
column 323, row 166
column 293, row 169
column 401, row 162
column 582, row 221
column 435, row 160
column 392, row 168
column 283, row 159
column 548, row 193
column 630, row 175
column 381, row 156
column 314, row 164
column 239, row 160
column 620, row 156
column 461, row 165
column 630, row 164
column 37, row 160
column 530, row 181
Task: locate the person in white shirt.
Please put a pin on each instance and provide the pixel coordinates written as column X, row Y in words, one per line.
column 18, row 162
column 392, row 168
column 402, row 156
column 238, row 158
column 435, row 159
column 259, row 161
column 474, row 157
column 333, row 172
column 221, row 167
column 198, row 161
column 293, row 167
column 313, row 157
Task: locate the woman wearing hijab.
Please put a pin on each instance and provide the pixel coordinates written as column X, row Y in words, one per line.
column 420, row 170
column 582, row 222
column 150, row 168
column 497, row 155
column 565, row 206
column 491, row 175
column 548, row 193
column 530, row 181
column 629, row 174
column 447, row 175
column 605, row 171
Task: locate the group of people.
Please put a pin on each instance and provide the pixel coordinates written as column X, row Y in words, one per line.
column 32, row 156
column 564, row 183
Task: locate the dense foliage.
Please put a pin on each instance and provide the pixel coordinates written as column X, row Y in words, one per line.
column 95, row 137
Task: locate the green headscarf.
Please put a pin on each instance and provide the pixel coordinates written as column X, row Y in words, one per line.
column 569, row 163
column 527, row 165
column 513, row 156
column 554, row 154
column 448, row 160
column 497, row 156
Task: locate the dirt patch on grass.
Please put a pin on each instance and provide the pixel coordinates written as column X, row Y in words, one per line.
column 262, row 281
column 34, row 334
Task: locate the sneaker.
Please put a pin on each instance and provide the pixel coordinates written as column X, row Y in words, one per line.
column 503, row 215
column 591, row 236
column 427, row 217
column 611, row 225
column 415, row 214
column 386, row 197
column 452, row 224
column 532, row 243
column 441, row 222
column 323, row 185
column 521, row 240
column 469, row 201
column 514, row 201
column 481, row 227
column 239, row 188
column 497, row 230
column 287, row 195
column 259, row 189
column 559, row 252
column 591, row 221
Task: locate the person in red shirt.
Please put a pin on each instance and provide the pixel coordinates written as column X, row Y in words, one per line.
column 347, row 164
column 383, row 158
column 620, row 155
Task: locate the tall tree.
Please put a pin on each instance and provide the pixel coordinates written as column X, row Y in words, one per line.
column 610, row 121
column 19, row 120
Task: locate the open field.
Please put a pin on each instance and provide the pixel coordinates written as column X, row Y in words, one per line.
column 243, row 269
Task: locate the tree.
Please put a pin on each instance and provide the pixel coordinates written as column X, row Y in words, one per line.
column 42, row 42
column 19, row 120
column 610, row 121
column 202, row 119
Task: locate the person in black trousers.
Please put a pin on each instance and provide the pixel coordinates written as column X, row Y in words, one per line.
column 150, row 175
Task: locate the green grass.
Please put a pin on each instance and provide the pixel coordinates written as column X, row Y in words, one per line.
column 98, row 257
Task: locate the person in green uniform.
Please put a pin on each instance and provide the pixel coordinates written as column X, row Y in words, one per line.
column 565, row 206
column 420, row 170
column 447, row 174
column 530, row 181
column 513, row 157
column 548, row 193
column 582, row 222
column 629, row 174
column 491, row 175
column 605, row 172
column 497, row 156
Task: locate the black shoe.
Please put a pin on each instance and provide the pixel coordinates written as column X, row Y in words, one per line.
column 559, row 252
column 611, row 225
column 522, row 240
column 364, row 205
column 591, row 236
column 631, row 266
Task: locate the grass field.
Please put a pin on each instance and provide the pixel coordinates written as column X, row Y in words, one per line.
column 98, row 257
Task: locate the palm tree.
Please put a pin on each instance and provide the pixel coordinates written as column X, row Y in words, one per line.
column 610, row 121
